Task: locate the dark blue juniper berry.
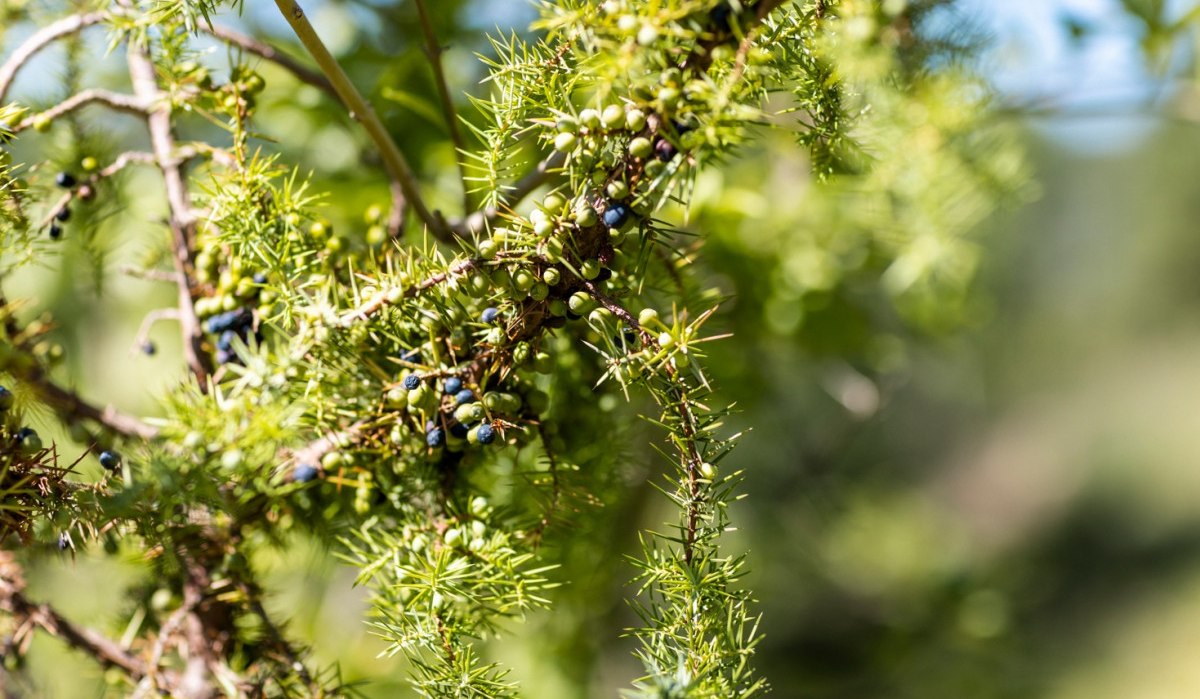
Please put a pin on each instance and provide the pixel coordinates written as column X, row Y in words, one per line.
column 459, row 430
column 720, row 17
column 65, row 180
column 28, row 439
column 412, row 382
column 486, row 434
column 230, row 320
column 435, row 437
column 490, row 314
column 616, row 214
column 225, row 357
column 149, row 348
column 110, row 460
column 6, row 399
column 304, row 473
column 665, row 150
column 225, row 341
column 260, row 278
column 464, row 396
column 63, row 214
column 452, row 385
column 56, row 231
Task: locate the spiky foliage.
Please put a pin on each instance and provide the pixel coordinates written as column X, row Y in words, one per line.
column 431, row 408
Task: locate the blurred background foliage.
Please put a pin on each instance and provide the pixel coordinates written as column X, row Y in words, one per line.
column 986, row 488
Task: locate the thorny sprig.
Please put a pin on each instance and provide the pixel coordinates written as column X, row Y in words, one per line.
column 428, row 408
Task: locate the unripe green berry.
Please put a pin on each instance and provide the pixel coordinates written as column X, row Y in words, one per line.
column 557, row 308
column 565, row 142
column 552, row 276
column 540, row 291
column 488, row 249
column 590, row 118
column 666, row 340
column 554, row 202
column 586, row 216
column 521, row 352
column 641, row 147
column 543, row 363
column 613, row 116
column 567, row 124
column 590, row 269
column 523, row 280
column 648, row 316
column 635, row 120
column 617, row 190
column 580, row 303
column 471, row 412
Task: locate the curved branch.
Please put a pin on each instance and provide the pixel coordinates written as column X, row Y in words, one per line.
column 434, row 50
column 40, row 39
column 182, row 221
column 267, row 52
column 360, row 110
column 108, row 98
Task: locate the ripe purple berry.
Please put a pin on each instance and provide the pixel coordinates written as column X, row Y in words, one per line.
column 435, row 437
column 304, row 473
column 665, row 150
column 63, row 214
column 616, row 214
column 110, row 460
column 452, row 385
column 464, row 396
column 149, row 348
column 56, row 231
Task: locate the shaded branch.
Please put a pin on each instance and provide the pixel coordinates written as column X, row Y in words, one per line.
column 434, row 50
column 360, row 110
column 265, row 51
column 29, row 615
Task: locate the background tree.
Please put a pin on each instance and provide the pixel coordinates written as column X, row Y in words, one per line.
column 343, row 280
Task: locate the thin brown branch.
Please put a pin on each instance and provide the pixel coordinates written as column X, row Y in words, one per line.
column 39, row 40
column 182, row 221
column 434, row 50
column 30, row 614
column 113, row 100
column 360, row 110
column 63, row 401
column 399, row 212
column 265, row 51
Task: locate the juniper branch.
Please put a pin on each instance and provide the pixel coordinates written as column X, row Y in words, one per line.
column 434, row 50
column 182, row 221
column 40, row 39
column 360, row 110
